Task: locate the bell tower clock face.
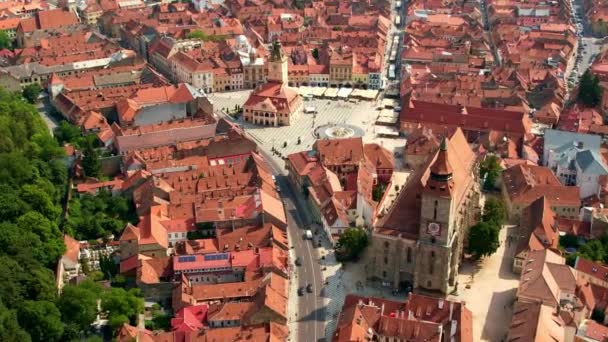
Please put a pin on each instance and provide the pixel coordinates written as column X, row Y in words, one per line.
column 433, row 228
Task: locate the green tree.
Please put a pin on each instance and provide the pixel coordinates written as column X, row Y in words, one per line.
column 5, row 41
column 351, row 243
column 31, row 92
column 494, row 210
column 122, row 306
column 590, row 90
column 90, row 161
column 10, row 330
column 11, row 204
column 42, row 320
column 68, row 133
column 483, row 239
column 78, row 305
column 489, row 169
column 315, row 53
column 569, row 241
column 33, row 181
column 593, row 250
column 40, row 201
column 378, row 191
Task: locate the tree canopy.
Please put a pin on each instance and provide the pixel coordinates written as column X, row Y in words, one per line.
column 31, row 92
column 5, row 41
column 494, row 210
column 590, row 90
column 90, row 161
column 351, row 243
column 122, row 306
column 489, row 169
column 33, row 181
column 102, row 215
column 483, row 239
column 484, row 236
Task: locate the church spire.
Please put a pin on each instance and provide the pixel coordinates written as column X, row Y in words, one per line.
column 441, row 170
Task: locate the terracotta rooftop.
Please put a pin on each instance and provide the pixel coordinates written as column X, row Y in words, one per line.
column 337, row 152
column 525, row 183
column 404, row 214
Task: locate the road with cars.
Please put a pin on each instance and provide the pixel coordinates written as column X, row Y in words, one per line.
column 310, row 305
column 588, row 46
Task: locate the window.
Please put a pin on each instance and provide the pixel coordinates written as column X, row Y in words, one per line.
column 409, row 255
column 435, row 211
column 383, row 274
column 386, row 244
column 428, row 284
column 386, row 260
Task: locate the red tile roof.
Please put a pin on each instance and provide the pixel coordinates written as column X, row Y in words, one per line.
column 338, row 152
column 278, row 98
column 191, row 318
column 525, row 183
column 594, row 269
column 50, row 19
column 72, row 247
column 468, row 118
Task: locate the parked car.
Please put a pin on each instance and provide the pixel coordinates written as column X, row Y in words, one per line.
column 298, row 261
column 309, row 288
column 301, row 291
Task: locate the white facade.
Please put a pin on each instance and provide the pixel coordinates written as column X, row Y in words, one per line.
column 319, row 80
column 575, row 166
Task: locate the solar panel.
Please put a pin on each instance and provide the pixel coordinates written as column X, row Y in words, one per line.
column 187, row 258
column 216, row 256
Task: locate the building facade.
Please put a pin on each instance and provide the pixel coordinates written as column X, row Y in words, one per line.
column 274, row 103
column 419, row 240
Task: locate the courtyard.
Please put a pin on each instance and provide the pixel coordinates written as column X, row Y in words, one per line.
column 492, row 285
column 358, row 118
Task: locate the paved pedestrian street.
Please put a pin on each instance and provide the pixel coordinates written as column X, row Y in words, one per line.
column 362, row 114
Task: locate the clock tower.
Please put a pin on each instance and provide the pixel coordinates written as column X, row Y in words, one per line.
column 436, row 208
column 277, row 64
column 436, row 234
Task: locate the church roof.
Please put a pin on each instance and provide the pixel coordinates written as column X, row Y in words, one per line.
column 441, row 167
column 403, row 216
